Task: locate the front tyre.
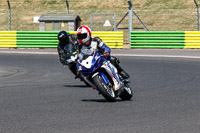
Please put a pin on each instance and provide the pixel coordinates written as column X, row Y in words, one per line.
column 107, row 91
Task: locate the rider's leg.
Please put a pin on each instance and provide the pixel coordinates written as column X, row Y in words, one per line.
column 115, row 61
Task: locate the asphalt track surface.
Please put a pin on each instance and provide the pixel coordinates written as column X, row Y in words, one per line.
column 39, row 95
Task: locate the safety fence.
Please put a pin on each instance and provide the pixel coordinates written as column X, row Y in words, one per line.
column 139, row 39
column 48, row 39
column 165, row 39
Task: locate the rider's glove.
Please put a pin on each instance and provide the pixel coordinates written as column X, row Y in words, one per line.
column 74, row 58
column 68, row 61
column 106, row 53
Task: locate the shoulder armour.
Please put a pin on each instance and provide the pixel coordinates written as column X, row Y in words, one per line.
column 96, row 39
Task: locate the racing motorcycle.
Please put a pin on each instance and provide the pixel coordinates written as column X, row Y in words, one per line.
column 99, row 73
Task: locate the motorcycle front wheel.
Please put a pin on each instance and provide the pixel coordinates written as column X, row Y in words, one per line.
column 106, row 90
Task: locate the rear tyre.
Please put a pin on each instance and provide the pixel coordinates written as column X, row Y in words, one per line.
column 107, row 91
column 127, row 93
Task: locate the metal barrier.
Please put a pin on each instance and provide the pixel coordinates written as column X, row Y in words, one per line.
column 8, row 39
column 165, row 39
column 37, row 39
column 48, row 39
column 158, row 39
column 192, row 39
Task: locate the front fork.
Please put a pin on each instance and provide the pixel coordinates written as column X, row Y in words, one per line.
column 112, row 71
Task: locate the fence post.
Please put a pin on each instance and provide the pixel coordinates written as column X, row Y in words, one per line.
column 114, row 22
column 67, row 7
column 197, row 6
column 130, row 20
column 91, row 18
column 9, row 15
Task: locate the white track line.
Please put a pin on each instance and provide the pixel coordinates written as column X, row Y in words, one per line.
column 166, row 56
column 27, row 52
column 134, row 55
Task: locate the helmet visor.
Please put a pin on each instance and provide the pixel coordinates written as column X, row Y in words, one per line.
column 82, row 36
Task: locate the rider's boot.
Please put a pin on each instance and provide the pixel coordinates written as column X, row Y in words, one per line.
column 115, row 61
column 124, row 74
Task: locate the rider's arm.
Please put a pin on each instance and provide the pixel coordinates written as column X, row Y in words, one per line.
column 62, row 55
column 102, row 45
column 73, row 39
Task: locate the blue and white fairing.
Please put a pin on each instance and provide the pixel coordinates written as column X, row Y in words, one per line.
column 88, row 62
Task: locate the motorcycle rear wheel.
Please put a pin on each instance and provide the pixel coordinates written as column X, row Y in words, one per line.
column 127, row 93
column 107, row 92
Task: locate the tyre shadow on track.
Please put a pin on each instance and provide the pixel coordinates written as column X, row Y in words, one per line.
column 76, row 86
column 99, row 100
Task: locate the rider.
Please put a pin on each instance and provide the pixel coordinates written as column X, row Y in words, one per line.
column 94, row 43
column 67, row 49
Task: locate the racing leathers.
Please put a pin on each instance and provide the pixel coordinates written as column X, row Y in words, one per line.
column 67, row 53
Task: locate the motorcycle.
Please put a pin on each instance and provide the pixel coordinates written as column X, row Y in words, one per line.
column 99, row 73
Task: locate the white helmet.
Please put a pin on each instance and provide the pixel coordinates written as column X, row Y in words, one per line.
column 83, row 34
